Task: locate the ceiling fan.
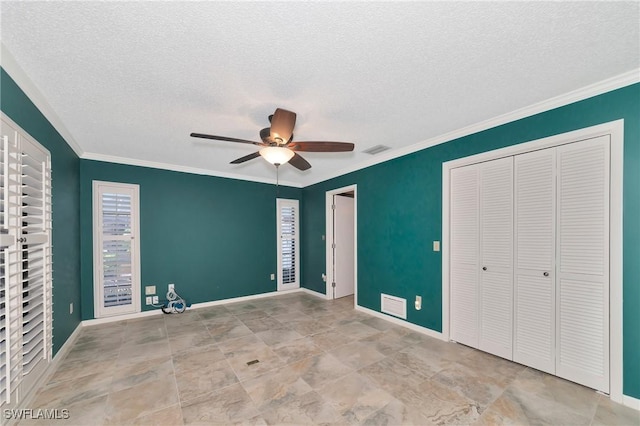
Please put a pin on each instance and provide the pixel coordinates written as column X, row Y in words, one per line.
column 278, row 146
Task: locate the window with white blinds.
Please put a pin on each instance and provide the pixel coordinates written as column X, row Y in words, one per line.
column 116, row 222
column 116, row 249
column 25, row 263
column 288, row 244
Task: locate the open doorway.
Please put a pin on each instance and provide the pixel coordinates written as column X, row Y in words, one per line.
column 342, row 262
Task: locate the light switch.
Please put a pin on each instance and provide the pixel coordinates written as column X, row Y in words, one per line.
column 436, row 246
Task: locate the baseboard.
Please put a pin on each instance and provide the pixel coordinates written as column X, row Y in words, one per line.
column 398, row 321
column 313, row 293
column 145, row 314
column 116, row 318
column 631, row 402
column 241, row 299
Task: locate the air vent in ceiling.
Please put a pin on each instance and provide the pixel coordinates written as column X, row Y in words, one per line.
column 376, row 149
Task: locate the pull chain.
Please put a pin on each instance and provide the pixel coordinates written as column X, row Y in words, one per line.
column 277, row 180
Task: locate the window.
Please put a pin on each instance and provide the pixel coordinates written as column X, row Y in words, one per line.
column 25, row 263
column 116, row 248
column 288, row 244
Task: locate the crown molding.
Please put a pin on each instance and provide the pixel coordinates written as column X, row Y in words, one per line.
column 613, row 83
column 9, row 64
column 183, row 169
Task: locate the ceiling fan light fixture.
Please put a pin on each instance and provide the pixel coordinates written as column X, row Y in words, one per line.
column 276, row 155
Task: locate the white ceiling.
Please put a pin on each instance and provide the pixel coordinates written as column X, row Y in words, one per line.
column 130, row 80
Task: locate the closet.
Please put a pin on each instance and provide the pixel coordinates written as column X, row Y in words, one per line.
column 529, row 259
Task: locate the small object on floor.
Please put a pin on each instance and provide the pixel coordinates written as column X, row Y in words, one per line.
column 175, row 304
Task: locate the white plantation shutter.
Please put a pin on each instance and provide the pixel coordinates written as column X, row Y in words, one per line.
column 25, row 260
column 116, row 247
column 496, row 251
column 582, row 326
column 11, row 307
column 288, row 244
column 464, row 264
column 36, row 261
column 534, row 334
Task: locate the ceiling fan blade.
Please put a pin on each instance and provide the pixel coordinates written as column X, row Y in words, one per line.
column 282, row 125
column 319, row 146
column 224, row 138
column 299, row 163
column 246, row 158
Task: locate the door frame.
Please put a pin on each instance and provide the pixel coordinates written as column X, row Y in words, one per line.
column 329, row 240
column 136, row 279
column 616, row 131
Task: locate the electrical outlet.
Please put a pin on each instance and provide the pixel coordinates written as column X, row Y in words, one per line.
column 155, row 300
column 324, row 277
column 172, row 287
column 418, row 303
column 150, row 289
column 436, row 246
column 148, row 300
column 71, row 307
column 273, row 277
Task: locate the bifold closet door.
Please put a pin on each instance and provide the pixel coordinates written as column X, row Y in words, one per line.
column 495, row 292
column 481, row 256
column 582, row 284
column 534, row 278
column 464, row 264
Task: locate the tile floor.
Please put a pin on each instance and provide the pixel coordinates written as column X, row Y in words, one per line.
column 319, row 362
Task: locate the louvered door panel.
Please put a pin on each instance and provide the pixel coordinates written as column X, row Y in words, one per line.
column 12, row 266
column 582, row 326
column 464, row 243
column 25, row 260
column 36, row 258
column 496, row 247
column 534, row 292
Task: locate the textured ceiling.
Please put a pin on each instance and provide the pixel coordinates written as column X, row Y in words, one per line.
column 133, row 79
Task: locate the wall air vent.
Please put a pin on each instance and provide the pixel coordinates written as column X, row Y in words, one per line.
column 376, row 149
column 392, row 305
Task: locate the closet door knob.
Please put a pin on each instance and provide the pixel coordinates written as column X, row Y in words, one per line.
column 484, row 268
column 546, row 274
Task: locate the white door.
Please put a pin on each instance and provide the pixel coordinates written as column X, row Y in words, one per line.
column 582, row 253
column 464, row 263
column 343, row 249
column 288, row 244
column 496, row 253
column 534, row 281
column 116, row 248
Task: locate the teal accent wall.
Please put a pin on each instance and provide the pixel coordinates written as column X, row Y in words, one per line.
column 65, row 208
column 400, row 214
column 215, row 238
